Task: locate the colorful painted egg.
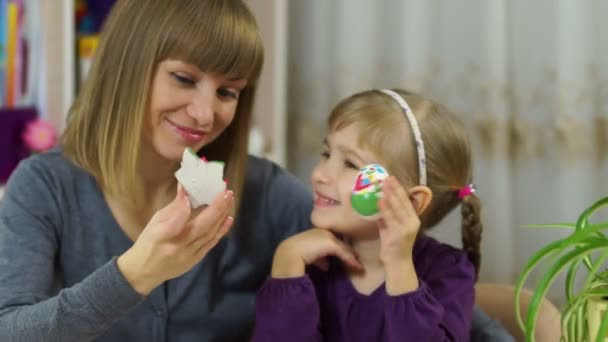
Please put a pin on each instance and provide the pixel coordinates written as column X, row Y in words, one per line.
column 367, row 190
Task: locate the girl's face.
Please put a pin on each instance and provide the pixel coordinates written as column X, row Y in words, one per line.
column 188, row 108
column 332, row 181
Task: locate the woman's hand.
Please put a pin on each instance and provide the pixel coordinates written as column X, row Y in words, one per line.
column 312, row 246
column 175, row 240
column 398, row 229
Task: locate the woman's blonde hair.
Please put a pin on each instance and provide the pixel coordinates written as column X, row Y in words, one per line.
column 104, row 127
column 385, row 131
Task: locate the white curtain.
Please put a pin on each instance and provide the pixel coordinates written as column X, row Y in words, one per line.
column 530, row 79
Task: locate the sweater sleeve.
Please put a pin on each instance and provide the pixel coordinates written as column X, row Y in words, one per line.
column 31, row 309
column 440, row 309
column 287, row 310
column 289, row 204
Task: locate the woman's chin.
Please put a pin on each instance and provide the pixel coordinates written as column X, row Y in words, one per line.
column 171, row 152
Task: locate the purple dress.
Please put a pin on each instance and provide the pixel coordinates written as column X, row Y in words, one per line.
column 324, row 306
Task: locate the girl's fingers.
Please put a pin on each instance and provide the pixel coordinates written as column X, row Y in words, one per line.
column 403, row 201
column 346, row 254
column 397, row 205
column 388, row 212
column 381, row 223
column 322, row 264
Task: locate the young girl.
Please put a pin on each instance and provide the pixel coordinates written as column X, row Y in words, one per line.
column 384, row 280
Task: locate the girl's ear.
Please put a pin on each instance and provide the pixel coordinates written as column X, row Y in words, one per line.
column 421, row 197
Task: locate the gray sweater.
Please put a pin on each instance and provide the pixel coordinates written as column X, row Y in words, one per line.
column 58, row 275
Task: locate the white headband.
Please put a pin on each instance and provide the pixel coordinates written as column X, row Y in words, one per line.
column 415, row 129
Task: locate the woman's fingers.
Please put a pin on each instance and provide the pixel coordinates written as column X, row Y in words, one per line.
column 174, row 240
column 212, row 235
column 208, row 222
column 176, row 214
column 207, row 245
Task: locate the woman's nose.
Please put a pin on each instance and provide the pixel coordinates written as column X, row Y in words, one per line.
column 201, row 107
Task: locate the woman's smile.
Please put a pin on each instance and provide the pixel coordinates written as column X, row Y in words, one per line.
column 190, row 135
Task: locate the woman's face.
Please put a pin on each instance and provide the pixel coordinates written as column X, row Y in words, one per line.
column 188, row 108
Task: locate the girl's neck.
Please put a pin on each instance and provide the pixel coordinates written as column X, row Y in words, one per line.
column 368, row 254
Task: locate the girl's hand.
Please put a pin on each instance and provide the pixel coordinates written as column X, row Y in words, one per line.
column 310, row 247
column 399, row 224
column 398, row 229
column 174, row 241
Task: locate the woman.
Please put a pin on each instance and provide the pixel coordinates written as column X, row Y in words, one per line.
column 97, row 241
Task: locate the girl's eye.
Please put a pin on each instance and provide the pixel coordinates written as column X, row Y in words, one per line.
column 350, row 165
column 185, row 80
column 325, row 155
column 223, row 92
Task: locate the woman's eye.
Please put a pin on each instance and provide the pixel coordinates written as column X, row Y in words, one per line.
column 227, row 93
column 185, row 80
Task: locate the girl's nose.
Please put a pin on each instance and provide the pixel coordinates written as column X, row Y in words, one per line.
column 321, row 174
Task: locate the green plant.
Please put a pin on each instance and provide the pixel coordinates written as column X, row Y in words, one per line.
column 586, row 248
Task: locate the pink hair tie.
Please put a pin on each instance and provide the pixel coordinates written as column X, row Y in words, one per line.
column 466, row 191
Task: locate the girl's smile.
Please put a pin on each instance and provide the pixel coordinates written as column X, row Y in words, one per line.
column 325, row 201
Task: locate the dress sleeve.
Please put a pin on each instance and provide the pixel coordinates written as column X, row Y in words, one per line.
column 287, row 310
column 440, row 309
column 31, row 309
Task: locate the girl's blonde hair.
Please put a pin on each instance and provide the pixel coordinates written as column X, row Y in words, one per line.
column 385, row 131
column 104, row 127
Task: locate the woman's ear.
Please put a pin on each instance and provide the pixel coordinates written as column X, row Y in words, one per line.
column 421, row 197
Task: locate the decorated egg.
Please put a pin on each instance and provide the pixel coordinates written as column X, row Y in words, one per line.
column 367, row 190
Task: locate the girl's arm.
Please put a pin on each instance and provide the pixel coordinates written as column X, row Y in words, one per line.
column 440, row 308
column 432, row 304
column 286, row 306
column 287, row 310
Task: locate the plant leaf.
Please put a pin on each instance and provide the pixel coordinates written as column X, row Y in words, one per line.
column 539, row 256
column 548, row 278
column 552, row 225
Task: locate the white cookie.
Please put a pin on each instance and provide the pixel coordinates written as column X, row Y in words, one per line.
column 202, row 180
